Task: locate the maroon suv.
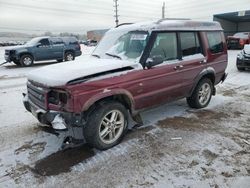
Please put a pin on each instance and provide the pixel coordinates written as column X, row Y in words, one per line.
column 134, row 67
column 238, row 40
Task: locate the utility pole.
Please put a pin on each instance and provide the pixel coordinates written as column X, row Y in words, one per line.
column 116, row 12
column 163, row 10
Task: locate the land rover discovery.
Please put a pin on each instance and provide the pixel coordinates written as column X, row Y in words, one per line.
column 134, row 67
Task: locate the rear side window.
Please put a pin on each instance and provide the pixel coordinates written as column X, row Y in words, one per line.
column 190, row 43
column 56, row 41
column 70, row 40
column 215, row 42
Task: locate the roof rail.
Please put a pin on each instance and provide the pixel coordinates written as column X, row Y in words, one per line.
column 164, row 19
column 123, row 24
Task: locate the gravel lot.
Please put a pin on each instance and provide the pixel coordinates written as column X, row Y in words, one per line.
column 177, row 146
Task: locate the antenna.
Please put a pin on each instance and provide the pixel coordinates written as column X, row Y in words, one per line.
column 116, row 12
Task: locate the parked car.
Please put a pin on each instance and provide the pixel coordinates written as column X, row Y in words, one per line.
column 44, row 48
column 90, row 43
column 133, row 68
column 238, row 40
column 243, row 58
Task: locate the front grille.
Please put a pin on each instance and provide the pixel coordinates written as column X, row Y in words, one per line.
column 36, row 95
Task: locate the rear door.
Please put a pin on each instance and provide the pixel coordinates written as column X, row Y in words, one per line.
column 57, row 48
column 193, row 60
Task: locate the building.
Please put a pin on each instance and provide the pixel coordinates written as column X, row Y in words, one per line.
column 234, row 16
column 96, row 34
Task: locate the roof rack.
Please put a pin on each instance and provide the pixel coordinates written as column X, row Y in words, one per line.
column 164, row 19
column 123, row 24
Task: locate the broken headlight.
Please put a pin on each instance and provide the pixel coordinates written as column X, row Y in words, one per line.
column 57, row 97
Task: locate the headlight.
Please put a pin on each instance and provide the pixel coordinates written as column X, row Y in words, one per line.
column 12, row 52
column 57, row 97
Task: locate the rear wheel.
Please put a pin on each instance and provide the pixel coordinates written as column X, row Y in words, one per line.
column 201, row 95
column 26, row 60
column 106, row 125
column 69, row 56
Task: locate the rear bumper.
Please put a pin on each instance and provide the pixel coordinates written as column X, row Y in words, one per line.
column 59, row 121
column 78, row 53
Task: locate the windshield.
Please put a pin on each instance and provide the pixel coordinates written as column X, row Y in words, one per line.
column 120, row 45
column 32, row 42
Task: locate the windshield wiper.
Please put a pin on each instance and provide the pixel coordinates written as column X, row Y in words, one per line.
column 113, row 55
column 95, row 55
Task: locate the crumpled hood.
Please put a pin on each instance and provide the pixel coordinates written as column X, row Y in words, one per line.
column 60, row 74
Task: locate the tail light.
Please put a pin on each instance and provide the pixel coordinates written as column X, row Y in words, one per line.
column 78, row 46
column 242, row 42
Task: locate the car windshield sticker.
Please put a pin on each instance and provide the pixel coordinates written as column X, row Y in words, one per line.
column 138, row 37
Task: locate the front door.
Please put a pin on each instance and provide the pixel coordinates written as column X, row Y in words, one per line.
column 163, row 82
column 43, row 50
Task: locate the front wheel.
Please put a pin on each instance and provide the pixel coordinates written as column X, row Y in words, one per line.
column 201, row 95
column 106, row 125
column 26, row 60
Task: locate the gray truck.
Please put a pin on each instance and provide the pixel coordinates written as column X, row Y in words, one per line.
column 44, row 48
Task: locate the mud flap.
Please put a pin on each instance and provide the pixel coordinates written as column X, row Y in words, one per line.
column 224, row 77
column 137, row 118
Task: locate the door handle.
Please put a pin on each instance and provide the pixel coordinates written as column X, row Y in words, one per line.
column 178, row 67
column 203, row 61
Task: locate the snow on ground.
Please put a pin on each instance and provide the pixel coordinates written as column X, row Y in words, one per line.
column 177, row 146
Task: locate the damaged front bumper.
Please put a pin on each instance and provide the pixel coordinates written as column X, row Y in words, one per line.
column 68, row 122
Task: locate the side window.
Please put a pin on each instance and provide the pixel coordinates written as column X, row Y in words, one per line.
column 215, row 42
column 190, row 43
column 165, row 45
column 44, row 42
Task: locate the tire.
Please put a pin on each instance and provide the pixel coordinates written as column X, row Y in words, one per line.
column 100, row 132
column 26, row 60
column 240, row 69
column 201, row 95
column 69, row 56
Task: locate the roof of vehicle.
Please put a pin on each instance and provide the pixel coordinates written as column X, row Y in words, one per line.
column 173, row 25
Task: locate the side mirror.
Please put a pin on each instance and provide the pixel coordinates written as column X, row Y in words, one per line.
column 38, row 45
column 155, row 60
